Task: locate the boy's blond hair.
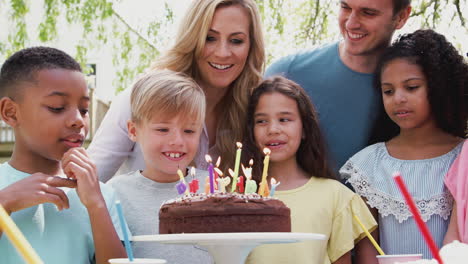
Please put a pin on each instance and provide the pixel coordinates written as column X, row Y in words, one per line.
column 169, row 94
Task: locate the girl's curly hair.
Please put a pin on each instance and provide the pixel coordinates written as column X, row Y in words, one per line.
column 446, row 73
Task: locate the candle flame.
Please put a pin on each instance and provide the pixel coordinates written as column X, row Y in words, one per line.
column 220, row 173
column 239, row 145
column 192, row 171
column 267, row 151
column 231, row 172
column 251, row 162
column 218, row 161
column 208, row 158
column 247, row 172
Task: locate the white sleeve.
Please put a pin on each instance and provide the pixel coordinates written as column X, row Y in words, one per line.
column 111, row 145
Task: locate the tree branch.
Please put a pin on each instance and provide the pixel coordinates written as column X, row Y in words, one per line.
column 130, row 28
column 460, row 15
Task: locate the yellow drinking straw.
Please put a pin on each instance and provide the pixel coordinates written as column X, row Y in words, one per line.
column 17, row 239
column 369, row 236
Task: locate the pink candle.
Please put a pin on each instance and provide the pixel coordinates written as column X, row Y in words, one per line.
column 194, row 184
column 417, row 216
column 240, row 184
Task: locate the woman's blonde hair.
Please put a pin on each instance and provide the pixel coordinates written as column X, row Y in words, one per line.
column 169, row 94
column 188, row 46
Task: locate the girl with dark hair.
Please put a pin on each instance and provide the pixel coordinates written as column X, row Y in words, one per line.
column 282, row 118
column 423, row 82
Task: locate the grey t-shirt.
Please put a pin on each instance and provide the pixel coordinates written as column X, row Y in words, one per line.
column 141, row 199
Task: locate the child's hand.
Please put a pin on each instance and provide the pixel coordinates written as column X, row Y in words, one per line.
column 36, row 189
column 77, row 165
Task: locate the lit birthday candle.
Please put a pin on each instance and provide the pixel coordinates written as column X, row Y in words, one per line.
column 250, row 185
column 194, row 184
column 207, row 184
column 263, row 189
column 218, row 162
column 210, row 172
column 273, row 186
column 219, row 173
column 216, row 170
column 223, row 181
column 218, row 179
column 236, row 166
column 248, row 170
column 240, row 184
column 181, row 186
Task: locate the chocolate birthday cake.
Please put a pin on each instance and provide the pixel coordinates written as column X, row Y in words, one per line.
column 224, row 213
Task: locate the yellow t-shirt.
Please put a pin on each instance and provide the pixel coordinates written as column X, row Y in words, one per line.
column 321, row 206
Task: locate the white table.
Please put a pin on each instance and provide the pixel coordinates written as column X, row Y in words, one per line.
column 230, row 248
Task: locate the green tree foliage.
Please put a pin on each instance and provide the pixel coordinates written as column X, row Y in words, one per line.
column 307, row 23
column 289, row 24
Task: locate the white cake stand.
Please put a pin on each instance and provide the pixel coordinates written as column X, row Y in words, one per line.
column 230, row 248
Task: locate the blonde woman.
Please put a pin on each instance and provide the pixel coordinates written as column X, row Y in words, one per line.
column 220, row 45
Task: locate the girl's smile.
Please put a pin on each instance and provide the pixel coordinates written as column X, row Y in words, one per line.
column 278, row 126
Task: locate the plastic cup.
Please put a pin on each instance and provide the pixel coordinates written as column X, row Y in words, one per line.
column 391, row 259
column 136, row 261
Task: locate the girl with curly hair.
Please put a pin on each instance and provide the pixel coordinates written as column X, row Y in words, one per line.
column 423, row 81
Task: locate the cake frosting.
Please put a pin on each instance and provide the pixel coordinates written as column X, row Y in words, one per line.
column 224, row 212
column 453, row 253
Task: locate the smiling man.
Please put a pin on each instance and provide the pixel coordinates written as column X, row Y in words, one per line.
column 338, row 76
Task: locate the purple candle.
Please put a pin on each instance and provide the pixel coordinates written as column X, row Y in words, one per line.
column 181, row 187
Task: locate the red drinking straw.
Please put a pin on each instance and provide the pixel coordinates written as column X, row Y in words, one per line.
column 417, row 216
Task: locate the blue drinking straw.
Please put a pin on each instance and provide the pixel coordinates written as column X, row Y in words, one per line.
column 128, row 248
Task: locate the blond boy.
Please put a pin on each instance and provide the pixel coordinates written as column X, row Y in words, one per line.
column 167, row 113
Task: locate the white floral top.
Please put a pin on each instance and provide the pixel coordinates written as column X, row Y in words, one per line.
column 370, row 173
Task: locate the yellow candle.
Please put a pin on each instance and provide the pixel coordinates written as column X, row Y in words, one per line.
column 17, row 239
column 236, row 166
column 207, row 184
column 263, row 188
column 182, row 179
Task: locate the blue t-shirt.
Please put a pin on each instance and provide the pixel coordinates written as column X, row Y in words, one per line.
column 346, row 102
column 57, row 236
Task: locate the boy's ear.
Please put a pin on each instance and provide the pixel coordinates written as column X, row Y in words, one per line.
column 8, row 111
column 402, row 17
column 131, row 127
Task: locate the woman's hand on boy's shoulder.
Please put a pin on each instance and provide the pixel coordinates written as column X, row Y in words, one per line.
column 77, row 165
column 36, row 189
